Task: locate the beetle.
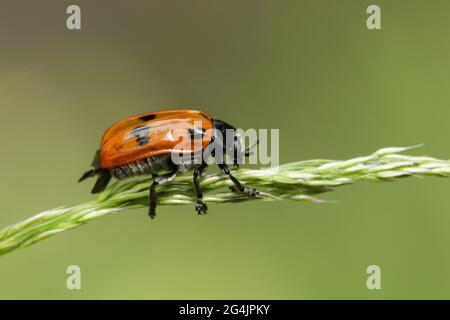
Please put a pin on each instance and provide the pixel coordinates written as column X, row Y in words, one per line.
column 144, row 144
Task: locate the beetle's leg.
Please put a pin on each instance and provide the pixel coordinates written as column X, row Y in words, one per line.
column 200, row 207
column 157, row 181
column 102, row 181
column 238, row 186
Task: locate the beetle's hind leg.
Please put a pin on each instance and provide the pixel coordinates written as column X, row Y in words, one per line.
column 200, row 207
column 104, row 176
column 238, row 187
column 90, row 173
column 157, row 180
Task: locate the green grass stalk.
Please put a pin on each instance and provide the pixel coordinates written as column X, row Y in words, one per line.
column 298, row 181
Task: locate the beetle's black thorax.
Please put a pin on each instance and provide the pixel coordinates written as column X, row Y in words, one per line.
column 228, row 140
column 222, row 127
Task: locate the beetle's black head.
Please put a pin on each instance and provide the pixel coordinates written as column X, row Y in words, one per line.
column 229, row 141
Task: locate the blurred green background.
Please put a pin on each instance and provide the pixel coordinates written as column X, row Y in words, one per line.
column 310, row 68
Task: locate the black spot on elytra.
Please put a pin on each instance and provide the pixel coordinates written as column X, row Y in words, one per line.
column 147, row 117
column 141, row 135
column 196, row 132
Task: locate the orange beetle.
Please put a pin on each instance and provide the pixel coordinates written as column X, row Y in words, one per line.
column 146, row 144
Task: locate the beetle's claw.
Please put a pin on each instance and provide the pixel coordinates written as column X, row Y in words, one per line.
column 151, row 213
column 251, row 192
column 201, row 208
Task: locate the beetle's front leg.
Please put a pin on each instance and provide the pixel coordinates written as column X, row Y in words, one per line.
column 238, row 187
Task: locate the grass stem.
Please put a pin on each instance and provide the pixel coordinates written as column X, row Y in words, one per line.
column 298, row 181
